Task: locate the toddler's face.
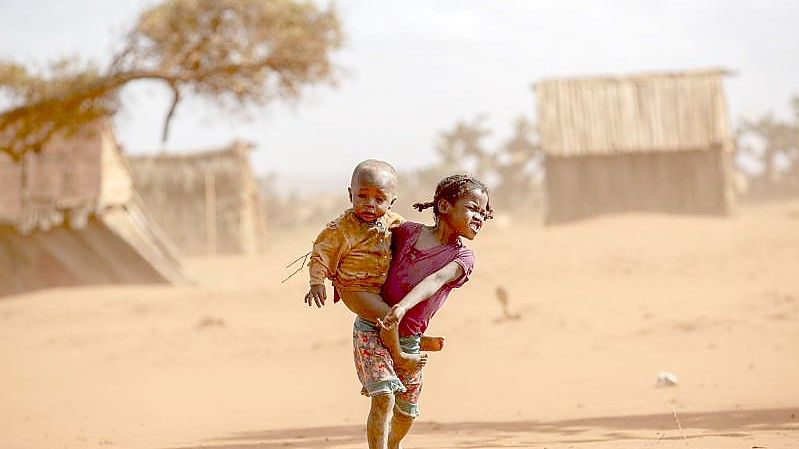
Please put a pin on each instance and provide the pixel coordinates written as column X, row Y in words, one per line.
column 372, row 198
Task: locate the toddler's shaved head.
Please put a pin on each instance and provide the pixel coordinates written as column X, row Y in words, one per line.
column 375, row 172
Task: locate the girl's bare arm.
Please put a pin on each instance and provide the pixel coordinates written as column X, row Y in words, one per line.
column 423, row 290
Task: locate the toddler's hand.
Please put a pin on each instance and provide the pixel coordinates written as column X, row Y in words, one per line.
column 316, row 295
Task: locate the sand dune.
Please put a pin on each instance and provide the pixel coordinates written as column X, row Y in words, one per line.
column 237, row 361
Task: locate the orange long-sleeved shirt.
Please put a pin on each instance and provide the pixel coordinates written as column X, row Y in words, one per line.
column 354, row 254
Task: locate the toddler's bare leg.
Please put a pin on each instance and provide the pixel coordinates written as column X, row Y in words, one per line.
column 377, row 423
column 400, row 425
column 431, row 343
column 403, row 360
column 370, row 306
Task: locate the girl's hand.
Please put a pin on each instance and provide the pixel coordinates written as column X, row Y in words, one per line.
column 394, row 316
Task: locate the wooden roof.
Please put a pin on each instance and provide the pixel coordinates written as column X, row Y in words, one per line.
column 191, row 167
column 659, row 112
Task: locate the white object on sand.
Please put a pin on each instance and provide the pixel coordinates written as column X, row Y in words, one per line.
column 666, row 379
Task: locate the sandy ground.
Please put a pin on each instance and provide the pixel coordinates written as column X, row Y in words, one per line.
column 237, row 361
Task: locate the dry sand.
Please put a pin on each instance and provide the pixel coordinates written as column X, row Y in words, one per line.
column 237, row 361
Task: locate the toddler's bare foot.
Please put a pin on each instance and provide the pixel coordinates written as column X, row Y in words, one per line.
column 402, row 360
column 431, row 343
column 410, row 362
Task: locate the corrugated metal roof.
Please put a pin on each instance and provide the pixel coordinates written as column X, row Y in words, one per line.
column 674, row 111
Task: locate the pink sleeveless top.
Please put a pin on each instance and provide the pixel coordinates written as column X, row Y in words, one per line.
column 409, row 266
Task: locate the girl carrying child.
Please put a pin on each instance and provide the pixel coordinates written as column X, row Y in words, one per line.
column 427, row 263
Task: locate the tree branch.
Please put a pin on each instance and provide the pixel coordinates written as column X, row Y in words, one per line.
column 106, row 85
column 171, row 113
column 248, row 51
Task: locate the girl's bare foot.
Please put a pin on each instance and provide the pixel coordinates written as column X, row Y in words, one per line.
column 431, row 343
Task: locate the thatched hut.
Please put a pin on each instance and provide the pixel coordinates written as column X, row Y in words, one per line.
column 207, row 202
column 69, row 216
column 655, row 142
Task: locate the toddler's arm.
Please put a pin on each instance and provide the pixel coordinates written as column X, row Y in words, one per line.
column 328, row 249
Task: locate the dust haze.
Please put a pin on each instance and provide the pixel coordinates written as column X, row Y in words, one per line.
column 636, row 287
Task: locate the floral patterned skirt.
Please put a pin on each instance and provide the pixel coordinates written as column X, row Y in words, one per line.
column 376, row 370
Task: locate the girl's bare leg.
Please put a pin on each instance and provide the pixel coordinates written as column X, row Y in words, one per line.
column 400, row 425
column 377, row 423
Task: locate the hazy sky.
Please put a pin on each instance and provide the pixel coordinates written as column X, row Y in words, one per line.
column 412, row 68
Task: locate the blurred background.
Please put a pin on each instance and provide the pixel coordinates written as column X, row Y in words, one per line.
column 406, row 80
column 643, row 159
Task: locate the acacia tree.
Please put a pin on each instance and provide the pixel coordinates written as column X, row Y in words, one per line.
column 776, row 150
column 514, row 168
column 464, row 144
column 236, row 53
column 519, row 166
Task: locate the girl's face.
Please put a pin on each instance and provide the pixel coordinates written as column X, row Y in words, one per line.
column 467, row 215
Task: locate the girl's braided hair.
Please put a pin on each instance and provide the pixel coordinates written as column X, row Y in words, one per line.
column 453, row 187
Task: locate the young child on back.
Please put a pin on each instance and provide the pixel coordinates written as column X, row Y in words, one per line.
column 354, row 252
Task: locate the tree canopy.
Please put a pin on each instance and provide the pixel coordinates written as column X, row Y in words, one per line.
column 776, row 150
column 236, row 53
column 513, row 169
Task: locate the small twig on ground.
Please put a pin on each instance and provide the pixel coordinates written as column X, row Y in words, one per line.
column 662, row 434
column 502, row 297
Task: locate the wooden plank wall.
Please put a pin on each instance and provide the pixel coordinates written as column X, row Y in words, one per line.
column 197, row 201
column 207, row 202
column 688, row 182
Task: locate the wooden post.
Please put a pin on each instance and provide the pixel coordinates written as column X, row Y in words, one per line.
column 210, row 213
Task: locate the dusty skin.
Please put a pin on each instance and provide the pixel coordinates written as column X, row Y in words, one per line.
column 238, row 361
